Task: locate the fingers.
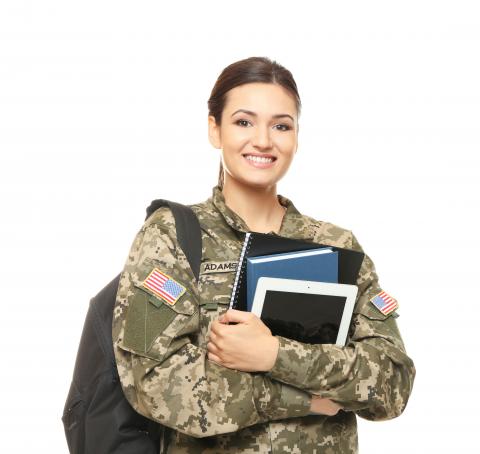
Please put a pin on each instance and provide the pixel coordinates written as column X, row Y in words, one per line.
column 232, row 315
column 325, row 406
column 211, row 347
column 213, row 334
column 220, row 325
column 214, row 358
column 217, row 335
column 221, row 319
column 217, row 356
column 212, row 344
column 213, row 352
column 216, row 327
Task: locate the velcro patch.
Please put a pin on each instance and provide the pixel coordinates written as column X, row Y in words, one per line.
column 164, row 286
column 384, row 302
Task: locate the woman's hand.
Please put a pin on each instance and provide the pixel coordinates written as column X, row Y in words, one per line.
column 250, row 347
column 247, row 346
column 324, row 406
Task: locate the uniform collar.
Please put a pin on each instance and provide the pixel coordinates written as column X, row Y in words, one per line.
column 289, row 223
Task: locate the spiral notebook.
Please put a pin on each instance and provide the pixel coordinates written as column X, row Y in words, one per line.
column 256, row 244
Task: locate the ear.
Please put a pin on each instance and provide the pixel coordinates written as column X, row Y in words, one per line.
column 214, row 132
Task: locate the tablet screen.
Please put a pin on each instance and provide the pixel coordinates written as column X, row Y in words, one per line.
column 280, row 308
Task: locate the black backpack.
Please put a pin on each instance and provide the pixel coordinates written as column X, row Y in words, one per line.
column 97, row 418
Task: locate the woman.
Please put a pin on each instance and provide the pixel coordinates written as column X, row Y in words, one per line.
column 234, row 387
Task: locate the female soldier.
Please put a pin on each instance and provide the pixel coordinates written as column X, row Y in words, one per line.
column 234, row 387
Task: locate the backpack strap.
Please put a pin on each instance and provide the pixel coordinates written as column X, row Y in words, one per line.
column 189, row 234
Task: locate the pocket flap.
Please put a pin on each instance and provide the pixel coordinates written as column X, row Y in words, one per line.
column 184, row 305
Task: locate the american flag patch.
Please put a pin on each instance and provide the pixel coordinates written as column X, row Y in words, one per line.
column 384, row 302
column 164, row 286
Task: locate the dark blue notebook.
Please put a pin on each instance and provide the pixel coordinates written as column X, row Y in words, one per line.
column 320, row 264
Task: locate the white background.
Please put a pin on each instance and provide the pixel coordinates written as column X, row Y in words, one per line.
column 103, row 107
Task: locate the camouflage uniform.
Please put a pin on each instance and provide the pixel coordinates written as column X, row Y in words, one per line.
column 161, row 349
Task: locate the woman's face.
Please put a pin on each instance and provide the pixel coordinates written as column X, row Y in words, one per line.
column 258, row 119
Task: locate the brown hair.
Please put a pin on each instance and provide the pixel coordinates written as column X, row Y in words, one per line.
column 253, row 69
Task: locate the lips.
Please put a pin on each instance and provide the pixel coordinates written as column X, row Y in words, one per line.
column 260, row 155
column 259, row 163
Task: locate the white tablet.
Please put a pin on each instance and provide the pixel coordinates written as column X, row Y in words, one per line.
column 307, row 311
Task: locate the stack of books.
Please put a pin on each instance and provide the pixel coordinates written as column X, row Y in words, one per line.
column 272, row 256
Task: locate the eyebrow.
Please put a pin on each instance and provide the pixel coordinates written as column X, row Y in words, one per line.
column 254, row 114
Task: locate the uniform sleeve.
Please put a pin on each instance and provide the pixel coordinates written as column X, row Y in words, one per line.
column 372, row 375
column 163, row 374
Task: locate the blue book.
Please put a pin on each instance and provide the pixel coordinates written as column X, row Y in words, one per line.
column 320, row 264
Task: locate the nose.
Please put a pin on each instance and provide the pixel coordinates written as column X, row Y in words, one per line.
column 261, row 138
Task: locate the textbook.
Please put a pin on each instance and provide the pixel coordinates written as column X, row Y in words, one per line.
column 320, row 264
column 256, row 244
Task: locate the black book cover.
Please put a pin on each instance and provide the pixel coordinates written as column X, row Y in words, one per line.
column 255, row 244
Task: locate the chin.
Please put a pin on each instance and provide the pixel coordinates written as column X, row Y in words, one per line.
column 258, row 184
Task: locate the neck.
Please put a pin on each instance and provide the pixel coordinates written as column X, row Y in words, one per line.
column 258, row 207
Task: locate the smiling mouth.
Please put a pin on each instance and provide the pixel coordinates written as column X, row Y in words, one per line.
column 260, row 159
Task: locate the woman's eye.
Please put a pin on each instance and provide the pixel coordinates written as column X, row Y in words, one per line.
column 284, row 127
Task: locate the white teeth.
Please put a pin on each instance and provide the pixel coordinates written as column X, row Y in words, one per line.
column 258, row 159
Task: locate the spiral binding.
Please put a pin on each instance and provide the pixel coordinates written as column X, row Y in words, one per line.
column 246, row 246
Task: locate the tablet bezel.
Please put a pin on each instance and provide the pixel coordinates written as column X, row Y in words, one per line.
column 300, row 286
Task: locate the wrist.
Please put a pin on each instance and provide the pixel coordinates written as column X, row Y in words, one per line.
column 272, row 353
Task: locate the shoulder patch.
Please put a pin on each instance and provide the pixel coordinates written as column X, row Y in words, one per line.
column 384, row 302
column 164, row 286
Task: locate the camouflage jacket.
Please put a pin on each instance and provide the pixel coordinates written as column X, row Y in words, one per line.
column 160, row 348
